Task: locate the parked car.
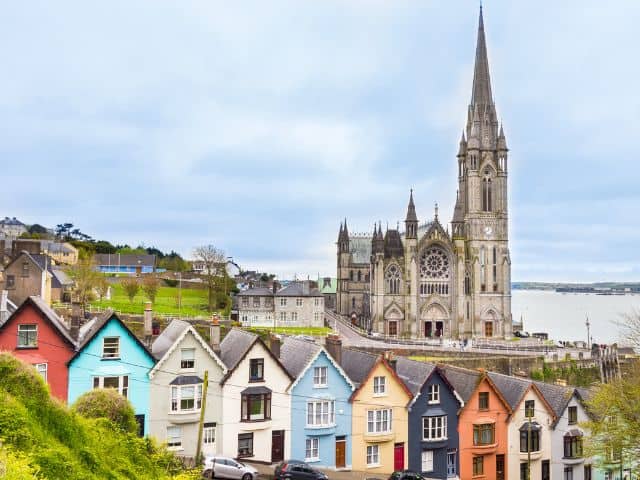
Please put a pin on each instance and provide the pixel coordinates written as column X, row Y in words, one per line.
column 522, row 334
column 297, row 470
column 405, row 475
column 225, row 467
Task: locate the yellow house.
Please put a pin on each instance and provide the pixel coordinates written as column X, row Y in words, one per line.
column 380, row 421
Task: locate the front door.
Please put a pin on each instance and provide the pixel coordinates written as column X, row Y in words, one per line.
column 488, row 329
column 341, row 448
column 439, row 327
column 398, row 457
column 451, row 464
column 427, row 329
column 499, row 467
column 393, row 328
column 277, row 446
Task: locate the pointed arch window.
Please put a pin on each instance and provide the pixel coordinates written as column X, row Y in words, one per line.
column 487, row 192
column 483, row 269
column 495, row 269
column 393, row 280
column 359, row 276
column 351, row 275
column 467, row 283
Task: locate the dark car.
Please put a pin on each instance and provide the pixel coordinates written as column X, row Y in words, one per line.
column 405, row 475
column 297, row 470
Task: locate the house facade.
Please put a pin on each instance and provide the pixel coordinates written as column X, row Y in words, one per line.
column 177, row 391
column 255, row 307
column 111, row 356
column 255, row 401
column 12, row 227
column 28, row 275
column 379, row 421
column 433, row 420
column 132, row 264
column 320, row 407
column 35, row 334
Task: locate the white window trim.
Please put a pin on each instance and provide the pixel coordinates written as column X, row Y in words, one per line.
column 117, row 355
column 182, row 350
column 30, row 330
column 197, row 398
column 377, row 463
column 434, row 390
column 326, row 377
column 207, row 433
column 120, row 383
column 174, row 447
column 312, row 440
column 430, row 462
column 377, row 420
column 431, row 425
column 312, row 407
column 43, row 369
column 380, row 390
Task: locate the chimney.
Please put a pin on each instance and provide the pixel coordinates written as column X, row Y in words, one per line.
column 274, row 345
column 148, row 319
column 215, row 334
column 76, row 319
column 333, row 344
column 391, row 359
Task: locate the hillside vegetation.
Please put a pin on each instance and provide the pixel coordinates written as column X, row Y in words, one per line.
column 41, row 438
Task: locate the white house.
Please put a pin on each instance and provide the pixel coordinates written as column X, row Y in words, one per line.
column 176, row 392
column 255, row 402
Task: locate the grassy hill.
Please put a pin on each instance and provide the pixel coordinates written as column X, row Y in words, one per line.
column 41, row 438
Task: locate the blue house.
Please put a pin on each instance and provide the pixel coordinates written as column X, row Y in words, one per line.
column 320, row 408
column 111, row 356
column 433, row 420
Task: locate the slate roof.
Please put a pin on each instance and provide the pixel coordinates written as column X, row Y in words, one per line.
column 393, row 244
column 556, row 396
column 127, row 259
column 168, row 337
column 235, row 345
column 511, row 388
column 357, row 364
column 298, row 289
column 360, row 249
column 11, row 221
column 295, row 354
column 256, row 292
column 61, row 277
column 464, row 381
column 413, row 373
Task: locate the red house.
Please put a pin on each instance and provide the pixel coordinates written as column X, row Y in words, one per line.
column 37, row 335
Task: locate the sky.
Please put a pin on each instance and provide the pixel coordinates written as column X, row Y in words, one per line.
column 258, row 126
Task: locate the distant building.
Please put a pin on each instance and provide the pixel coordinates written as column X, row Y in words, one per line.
column 12, row 227
column 132, row 264
column 61, row 252
column 328, row 287
column 296, row 305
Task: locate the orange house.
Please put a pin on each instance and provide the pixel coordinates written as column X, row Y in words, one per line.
column 482, row 426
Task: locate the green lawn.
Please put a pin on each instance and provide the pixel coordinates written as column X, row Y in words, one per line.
column 194, row 302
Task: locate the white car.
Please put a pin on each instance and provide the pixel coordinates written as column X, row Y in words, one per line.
column 225, row 467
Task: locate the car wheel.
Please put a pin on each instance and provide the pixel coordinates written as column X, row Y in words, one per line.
column 247, row 476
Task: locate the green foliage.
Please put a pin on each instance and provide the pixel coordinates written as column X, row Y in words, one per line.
column 107, row 403
column 131, row 287
column 569, row 371
column 150, row 287
column 42, row 438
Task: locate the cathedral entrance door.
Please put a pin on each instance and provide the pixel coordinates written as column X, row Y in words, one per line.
column 439, row 326
column 393, row 328
column 488, row 329
column 427, row 329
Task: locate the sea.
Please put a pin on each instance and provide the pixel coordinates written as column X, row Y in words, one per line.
column 563, row 315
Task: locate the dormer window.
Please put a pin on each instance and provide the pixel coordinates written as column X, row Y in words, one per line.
column 433, row 394
column 319, row 377
column 188, row 358
column 256, row 370
column 111, row 347
column 379, row 385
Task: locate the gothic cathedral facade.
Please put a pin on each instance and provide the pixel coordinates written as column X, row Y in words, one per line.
column 432, row 281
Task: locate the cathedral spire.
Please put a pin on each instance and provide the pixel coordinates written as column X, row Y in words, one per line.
column 411, row 209
column 481, row 93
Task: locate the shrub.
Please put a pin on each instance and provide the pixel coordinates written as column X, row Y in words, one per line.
column 107, row 403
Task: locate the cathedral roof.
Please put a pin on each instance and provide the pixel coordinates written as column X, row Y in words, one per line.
column 393, row 244
column 360, row 249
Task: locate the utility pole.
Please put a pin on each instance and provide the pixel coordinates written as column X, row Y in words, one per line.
column 202, row 410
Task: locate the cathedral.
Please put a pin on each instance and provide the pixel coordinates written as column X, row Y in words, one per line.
column 431, row 280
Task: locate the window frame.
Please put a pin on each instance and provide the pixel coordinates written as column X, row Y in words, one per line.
column 379, row 385
column 184, row 362
column 176, row 398
column 377, row 421
column 322, row 414
column 311, row 445
column 572, row 414
column 433, row 394
column 483, row 401
column 524, row 441
column 319, row 373
column 42, row 371
column 428, row 461
column 114, row 355
column 431, row 426
column 373, row 453
column 209, row 434
column 259, row 364
column 245, row 437
column 30, row 335
column 480, row 430
column 246, row 402
column 573, row 446
column 176, row 444
column 123, row 383
column 529, row 408
column 478, row 465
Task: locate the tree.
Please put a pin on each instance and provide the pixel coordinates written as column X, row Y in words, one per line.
column 150, row 286
column 85, row 278
column 214, row 261
column 107, row 403
column 102, row 287
column 131, row 287
column 38, row 229
column 629, row 327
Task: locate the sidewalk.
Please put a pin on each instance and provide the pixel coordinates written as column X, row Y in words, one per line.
column 266, row 472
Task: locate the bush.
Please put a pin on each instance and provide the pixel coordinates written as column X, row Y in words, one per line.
column 107, row 403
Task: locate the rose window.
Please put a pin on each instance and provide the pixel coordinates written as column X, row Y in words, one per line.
column 434, row 264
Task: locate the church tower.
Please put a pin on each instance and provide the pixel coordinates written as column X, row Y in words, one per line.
column 480, row 218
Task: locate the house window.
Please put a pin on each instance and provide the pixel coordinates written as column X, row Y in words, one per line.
column 316, row 302
column 433, row 394
column 524, row 471
column 546, row 470
column 529, row 408
column 298, row 302
column 312, row 449
column 587, row 472
column 283, row 317
column 283, row 302
column 525, row 445
column 186, row 398
column 379, row 421
column 256, row 301
column 111, row 347
column 434, row 428
column 320, row 376
column 478, row 466
column 484, row 434
column 294, row 316
column 245, row 444
column 174, row 437
column 317, row 317
column 120, row 383
column 483, row 401
column 568, row 473
column 27, row 336
column 25, row 269
column 256, row 407
column 573, row 415
column 245, row 301
column 572, row 446
column 427, row 460
column 256, row 370
column 321, row 414
column 188, row 358
column 373, row 455
column 379, row 385
column 42, row 370
column 209, row 433
column 11, row 282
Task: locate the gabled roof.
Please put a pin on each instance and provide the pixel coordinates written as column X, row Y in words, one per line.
column 95, row 326
column 47, row 312
column 357, row 364
column 298, row 289
column 514, row 389
column 464, row 381
column 381, row 361
column 256, row 292
column 558, row 397
column 236, row 345
column 298, row 355
column 413, row 373
column 171, row 338
column 128, row 259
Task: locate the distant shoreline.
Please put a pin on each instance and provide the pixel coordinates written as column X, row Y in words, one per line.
column 597, row 288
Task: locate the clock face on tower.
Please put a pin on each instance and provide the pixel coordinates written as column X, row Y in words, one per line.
column 488, row 231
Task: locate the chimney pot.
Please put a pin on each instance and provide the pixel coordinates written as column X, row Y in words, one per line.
column 148, row 320
column 274, row 345
column 333, row 344
column 214, row 335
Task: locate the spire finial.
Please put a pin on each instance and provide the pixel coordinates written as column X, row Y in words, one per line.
column 436, row 211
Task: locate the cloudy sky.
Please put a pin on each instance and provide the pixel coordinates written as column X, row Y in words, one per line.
column 257, row 127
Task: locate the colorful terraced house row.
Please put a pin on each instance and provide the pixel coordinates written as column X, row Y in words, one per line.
column 334, row 407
